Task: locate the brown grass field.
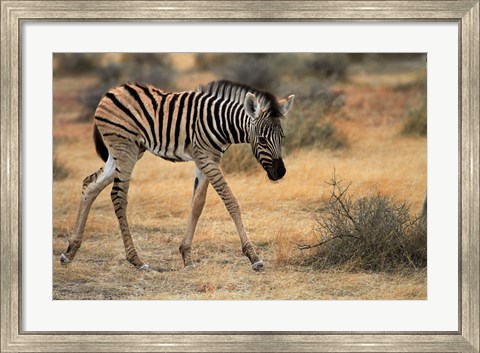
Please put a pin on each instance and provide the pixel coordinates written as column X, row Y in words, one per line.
column 276, row 215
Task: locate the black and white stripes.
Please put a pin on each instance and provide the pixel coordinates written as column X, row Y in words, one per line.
column 181, row 126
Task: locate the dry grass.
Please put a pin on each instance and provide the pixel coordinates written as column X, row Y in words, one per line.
column 276, row 215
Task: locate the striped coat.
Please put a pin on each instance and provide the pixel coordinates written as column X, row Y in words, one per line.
column 181, row 126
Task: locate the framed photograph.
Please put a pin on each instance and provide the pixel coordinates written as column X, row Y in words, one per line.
column 322, row 130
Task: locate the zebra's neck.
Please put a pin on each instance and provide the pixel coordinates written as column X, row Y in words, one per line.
column 240, row 125
column 225, row 121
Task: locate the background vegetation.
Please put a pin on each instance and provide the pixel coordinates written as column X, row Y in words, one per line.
column 362, row 116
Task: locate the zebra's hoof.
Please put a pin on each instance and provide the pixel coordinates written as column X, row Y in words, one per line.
column 144, row 267
column 63, row 260
column 258, row 266
column 189, row 267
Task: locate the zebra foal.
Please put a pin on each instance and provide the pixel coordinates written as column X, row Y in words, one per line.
column 194, row 126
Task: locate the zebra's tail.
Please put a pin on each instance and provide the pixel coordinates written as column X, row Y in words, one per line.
column 100, row 146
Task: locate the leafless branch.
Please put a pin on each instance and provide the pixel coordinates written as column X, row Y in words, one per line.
column 308, row 246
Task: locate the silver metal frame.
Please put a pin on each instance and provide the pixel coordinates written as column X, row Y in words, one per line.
column 465, row 13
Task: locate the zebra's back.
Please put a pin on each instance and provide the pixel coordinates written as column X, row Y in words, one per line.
column 160, row 122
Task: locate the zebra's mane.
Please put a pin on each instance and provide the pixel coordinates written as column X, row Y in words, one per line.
column 237, row 91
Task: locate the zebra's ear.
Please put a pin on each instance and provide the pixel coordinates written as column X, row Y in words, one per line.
column 251, row 105
column 286, row 104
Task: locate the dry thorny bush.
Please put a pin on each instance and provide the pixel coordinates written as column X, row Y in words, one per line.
column 372, row 233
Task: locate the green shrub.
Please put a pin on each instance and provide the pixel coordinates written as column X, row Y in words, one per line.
column 73, row 64
column 326, row 65
column 240, row 159
column 307, row 126
column 153, row 68
column 257, row 70
column 210, row 61
column 416, row 120
column 372, row 233
column 309, row 133
column 149, row 68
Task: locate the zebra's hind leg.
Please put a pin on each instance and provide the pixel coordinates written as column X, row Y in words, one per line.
column 125, row 164
column 92, row 186
column 200, row 186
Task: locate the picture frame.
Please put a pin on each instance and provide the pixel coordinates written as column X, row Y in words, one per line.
column 464, row 13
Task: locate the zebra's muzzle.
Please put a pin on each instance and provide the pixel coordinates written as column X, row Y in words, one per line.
column 277, row 170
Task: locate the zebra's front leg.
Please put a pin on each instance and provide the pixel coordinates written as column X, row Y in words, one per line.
column 215, row 176
column 200, row 186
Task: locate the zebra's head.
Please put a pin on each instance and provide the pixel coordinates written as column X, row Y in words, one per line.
column 266, row 132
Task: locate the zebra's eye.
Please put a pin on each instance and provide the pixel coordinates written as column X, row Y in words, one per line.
column 262, row 140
